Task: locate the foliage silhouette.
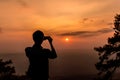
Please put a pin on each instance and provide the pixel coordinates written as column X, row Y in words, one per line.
column 7, row 71
column 109, row 54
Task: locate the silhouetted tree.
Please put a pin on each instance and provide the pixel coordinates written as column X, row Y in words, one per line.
column 6, row 70
column 109, row 54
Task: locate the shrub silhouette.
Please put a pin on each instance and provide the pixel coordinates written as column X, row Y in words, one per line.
column 109, row 54
column 7, row 71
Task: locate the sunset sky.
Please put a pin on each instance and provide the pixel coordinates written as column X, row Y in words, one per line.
column 76, row 26
column 82, row 21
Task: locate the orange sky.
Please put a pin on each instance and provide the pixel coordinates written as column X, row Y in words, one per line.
column 77, row 19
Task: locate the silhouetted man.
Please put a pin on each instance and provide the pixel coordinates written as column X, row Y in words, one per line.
column 38, row 57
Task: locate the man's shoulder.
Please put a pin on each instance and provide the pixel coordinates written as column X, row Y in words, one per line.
column 28, row 49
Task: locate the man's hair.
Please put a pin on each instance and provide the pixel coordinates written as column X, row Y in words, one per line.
column 38, row 35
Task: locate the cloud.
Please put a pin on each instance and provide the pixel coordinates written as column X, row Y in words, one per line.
column 87, row 33
column 87, row 20
column 110, row 23
column 22, row 3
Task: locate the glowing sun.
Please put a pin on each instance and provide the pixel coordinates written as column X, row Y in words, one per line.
column 66, row 39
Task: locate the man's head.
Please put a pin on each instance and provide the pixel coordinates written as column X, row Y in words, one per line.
column 38, row 37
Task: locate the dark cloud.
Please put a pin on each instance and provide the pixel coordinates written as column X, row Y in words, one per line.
column 109, row 23
column 92, row 20
column 104, row 30
column 22, row 3
column 85, row 20
column 87, row 33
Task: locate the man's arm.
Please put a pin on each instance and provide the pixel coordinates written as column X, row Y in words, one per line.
column 28, row 51
column 53, row 52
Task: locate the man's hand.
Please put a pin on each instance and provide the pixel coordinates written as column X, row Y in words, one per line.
column 50, row 39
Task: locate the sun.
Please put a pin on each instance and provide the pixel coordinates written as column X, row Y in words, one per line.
column 67, row 39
